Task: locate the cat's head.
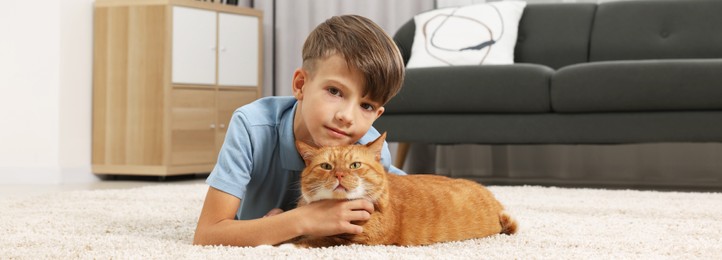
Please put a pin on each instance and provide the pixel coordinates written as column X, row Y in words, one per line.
column 342, row 172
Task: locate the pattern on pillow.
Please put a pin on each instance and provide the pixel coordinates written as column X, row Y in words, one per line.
column 480, row 34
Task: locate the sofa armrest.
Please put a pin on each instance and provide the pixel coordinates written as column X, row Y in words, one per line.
column 404, row 39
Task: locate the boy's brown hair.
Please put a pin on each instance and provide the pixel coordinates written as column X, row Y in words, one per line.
column 365, row 46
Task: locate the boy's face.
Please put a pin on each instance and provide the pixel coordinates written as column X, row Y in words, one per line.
column 331, row 108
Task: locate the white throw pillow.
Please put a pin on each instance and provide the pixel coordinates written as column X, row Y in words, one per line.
column 478, row 34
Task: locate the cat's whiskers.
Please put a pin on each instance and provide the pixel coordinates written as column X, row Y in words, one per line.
column 313, row 193
column 297, row 183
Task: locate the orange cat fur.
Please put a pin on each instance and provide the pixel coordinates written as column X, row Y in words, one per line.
column 409, row 210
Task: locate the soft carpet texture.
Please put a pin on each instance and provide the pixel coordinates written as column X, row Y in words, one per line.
column 159, row 221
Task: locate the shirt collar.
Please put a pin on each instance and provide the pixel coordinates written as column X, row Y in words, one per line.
column 290, row 158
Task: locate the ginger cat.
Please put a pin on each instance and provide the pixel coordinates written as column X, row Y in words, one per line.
column 409, row 210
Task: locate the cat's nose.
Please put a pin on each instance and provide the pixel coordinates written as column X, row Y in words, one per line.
column 339, row 175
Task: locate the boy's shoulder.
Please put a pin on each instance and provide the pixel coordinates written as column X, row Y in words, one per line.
column 266, row 110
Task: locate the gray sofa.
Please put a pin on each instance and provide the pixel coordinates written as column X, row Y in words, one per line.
column 610, row 73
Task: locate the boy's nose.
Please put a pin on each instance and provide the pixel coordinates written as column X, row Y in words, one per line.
column 345, row 115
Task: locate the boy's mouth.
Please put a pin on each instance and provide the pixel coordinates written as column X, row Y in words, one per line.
column 337, row 132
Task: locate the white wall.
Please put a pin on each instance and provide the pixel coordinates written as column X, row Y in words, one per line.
column 76, row 84
column 45, row 97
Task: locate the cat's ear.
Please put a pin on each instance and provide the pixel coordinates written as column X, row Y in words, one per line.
column 306, row 151
column 377, row 145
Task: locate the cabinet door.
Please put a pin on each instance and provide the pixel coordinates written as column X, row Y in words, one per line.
column 193, row 126
column 238, row 56
column 194, row 46
column 228, row 101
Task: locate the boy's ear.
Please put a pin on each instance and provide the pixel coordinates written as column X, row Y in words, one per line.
column 379, row 112
column 377, row 145
column 306, row 151
column 299, row 80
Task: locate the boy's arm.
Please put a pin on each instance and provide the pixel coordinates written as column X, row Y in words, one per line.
column 217, row 226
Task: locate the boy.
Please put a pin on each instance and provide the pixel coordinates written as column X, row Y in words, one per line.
column 351, row 68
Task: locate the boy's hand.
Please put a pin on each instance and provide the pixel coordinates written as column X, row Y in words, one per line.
column 332, row 217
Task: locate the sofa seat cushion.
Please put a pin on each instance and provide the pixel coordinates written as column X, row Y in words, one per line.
column 518, row 88
column 554, row 128
column 646, row 85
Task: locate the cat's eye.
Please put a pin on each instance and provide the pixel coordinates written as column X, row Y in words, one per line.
column 355, row 165
column 325, row 166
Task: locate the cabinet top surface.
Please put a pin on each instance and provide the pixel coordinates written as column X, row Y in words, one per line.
column 216, row 6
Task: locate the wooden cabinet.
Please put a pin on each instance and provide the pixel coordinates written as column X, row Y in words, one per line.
column 167, row 76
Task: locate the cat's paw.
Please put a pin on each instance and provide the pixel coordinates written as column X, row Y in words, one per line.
column 288, row 246
column 282, row 246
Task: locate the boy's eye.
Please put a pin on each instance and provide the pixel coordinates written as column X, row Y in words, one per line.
column 326, row 166
column 334, row 91
column 367, row 106
column 355, row 165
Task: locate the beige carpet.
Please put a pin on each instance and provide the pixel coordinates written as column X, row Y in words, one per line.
column 158, row 222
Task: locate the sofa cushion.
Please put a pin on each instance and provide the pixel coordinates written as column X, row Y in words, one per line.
column 633, row 30
column 555, row 35
column 479, row 34
column 651, row 85
column 519, row 88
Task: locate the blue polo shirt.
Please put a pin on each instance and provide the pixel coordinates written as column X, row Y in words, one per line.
column 259, row 163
